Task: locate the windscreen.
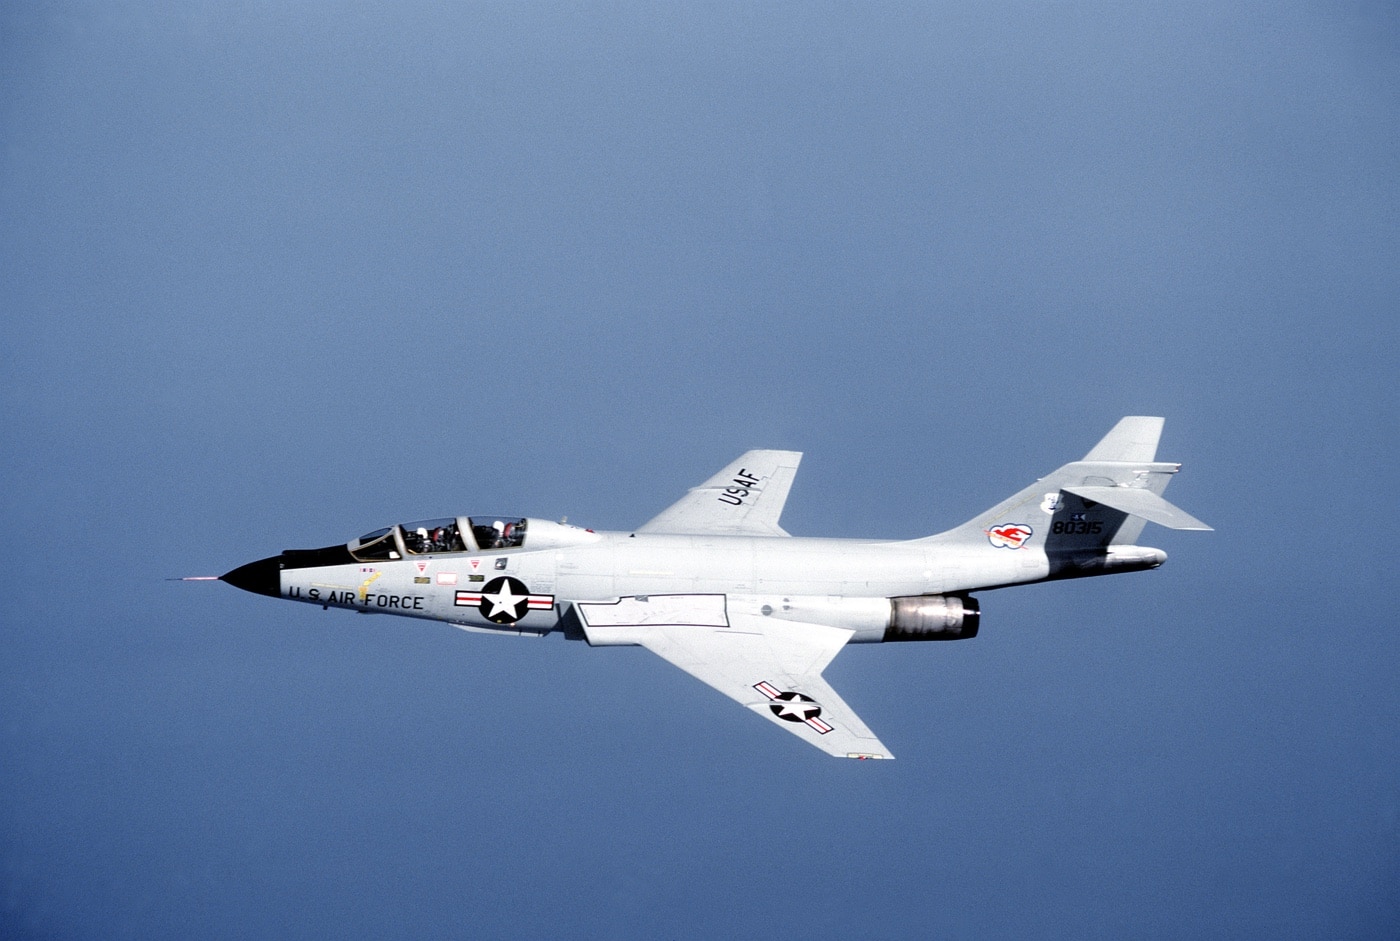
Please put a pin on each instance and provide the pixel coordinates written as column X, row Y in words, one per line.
column 378, row 546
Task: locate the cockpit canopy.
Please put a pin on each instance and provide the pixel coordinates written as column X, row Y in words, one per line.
column 463, row 534
column 429, row 537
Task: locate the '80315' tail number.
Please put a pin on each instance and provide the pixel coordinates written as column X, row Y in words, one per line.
column 1076, row 527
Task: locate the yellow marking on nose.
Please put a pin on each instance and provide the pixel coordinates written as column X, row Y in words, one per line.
column 364, row 585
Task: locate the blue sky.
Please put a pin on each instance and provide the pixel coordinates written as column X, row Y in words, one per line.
column 276, row 277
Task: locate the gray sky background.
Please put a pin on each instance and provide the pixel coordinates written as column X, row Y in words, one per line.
column 275, row 277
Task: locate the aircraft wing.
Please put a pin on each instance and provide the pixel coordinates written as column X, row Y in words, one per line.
column 744, row 499
column 774, row 668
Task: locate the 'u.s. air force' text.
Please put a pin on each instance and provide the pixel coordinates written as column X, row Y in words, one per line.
column 336, row 596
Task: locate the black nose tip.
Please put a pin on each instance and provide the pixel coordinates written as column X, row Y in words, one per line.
column 263, row 577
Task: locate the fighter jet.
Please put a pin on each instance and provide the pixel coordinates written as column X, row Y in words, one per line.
column 715, row 586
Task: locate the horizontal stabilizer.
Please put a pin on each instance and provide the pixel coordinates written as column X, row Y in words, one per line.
column 1137, row 501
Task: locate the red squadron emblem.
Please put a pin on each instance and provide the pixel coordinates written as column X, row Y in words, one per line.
column 1009, row 535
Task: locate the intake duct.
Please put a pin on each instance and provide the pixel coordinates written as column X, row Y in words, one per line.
column 933, row 617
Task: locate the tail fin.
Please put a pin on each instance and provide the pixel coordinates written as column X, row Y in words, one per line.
column 1104, row 499
column 1133, row 439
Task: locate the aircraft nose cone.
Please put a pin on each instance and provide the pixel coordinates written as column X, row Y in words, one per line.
column 263, row 577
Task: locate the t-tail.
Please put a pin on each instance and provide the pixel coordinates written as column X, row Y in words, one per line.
column 1085, row 517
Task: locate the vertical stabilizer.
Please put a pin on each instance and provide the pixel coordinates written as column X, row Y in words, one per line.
column 1087, row 506
column 1133, row 439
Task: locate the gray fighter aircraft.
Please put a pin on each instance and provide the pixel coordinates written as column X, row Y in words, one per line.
column 715, row 586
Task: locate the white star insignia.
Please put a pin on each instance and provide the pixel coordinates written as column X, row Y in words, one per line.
column 504, row 602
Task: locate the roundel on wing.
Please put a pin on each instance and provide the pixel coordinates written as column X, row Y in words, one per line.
column 794, row 707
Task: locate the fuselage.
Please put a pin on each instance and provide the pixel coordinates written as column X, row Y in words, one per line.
column 837, row 582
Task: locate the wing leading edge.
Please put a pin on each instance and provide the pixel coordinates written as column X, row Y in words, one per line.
column 744, row 499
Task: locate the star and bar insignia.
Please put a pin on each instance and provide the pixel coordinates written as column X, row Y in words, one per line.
column 792, row 706
column 503, row 600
